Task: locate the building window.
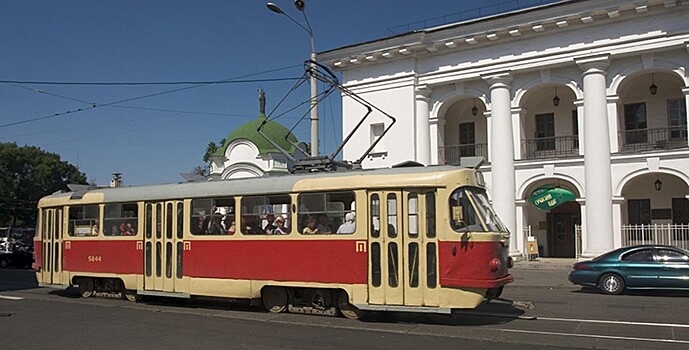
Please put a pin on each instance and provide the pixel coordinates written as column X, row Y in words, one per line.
column 639, row 211
column 545, row 132
column 376, row 132
column 467, row 136
column 677, row 119
column 635, row 123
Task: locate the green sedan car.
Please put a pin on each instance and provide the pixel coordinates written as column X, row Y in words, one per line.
column 635, row 267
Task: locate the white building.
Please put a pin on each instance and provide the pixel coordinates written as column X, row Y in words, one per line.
column 589, row 96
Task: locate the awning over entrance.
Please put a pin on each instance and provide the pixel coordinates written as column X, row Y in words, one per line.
column 550, row 197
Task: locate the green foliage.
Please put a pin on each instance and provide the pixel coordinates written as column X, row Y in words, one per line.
column 26, row 174
column 210, row 149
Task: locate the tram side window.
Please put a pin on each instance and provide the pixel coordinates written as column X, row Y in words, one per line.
column 324, row 213
column 121, row 219
column 83, row 220
column 212, row 216
column 266, row 215
column 462, row 213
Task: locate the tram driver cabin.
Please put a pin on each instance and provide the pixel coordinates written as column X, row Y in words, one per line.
column 423, row 239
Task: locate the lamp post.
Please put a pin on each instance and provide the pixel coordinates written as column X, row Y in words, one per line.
column 300, row 5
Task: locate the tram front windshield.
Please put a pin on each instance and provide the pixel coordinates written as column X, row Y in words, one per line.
column 470, row 210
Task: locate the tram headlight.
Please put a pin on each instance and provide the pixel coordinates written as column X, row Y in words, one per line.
column 494, row 264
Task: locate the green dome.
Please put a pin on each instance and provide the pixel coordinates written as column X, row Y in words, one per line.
column 249, row 131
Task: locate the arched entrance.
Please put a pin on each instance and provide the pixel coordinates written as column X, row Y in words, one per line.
column 561, row 223
column 552, row 215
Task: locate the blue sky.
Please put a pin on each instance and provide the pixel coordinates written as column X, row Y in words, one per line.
column 153, row 139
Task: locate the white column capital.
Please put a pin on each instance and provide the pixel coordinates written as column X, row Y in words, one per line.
column 685, row 91
column 423, row 92
column 593, row 64
column 498, row 79
column 613, row 98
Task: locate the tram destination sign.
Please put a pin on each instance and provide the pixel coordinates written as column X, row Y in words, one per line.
column 549, row 197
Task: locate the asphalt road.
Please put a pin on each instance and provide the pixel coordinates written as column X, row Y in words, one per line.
column 564, row 317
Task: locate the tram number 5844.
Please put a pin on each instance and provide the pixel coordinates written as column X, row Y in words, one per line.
column 95, row 258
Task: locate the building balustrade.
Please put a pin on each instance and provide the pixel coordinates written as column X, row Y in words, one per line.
column 551, row 147
column 451, row 154
column 653, row 139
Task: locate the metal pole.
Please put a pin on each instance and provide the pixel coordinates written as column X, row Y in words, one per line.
column 300, row 5
column 314, row 104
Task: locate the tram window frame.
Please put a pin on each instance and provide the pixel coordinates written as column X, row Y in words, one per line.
column 392, row 207
column 82, row 219
column 115, row 217
column 413, row 214
column 209, row 209
column 375, row 215
column 463, row 214
column 258, row 209
column 430, row 199
column 333, row 206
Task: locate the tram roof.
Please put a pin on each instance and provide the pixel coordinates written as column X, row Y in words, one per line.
column 243, row 186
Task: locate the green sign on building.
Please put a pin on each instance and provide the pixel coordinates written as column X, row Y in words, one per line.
column 550, row 197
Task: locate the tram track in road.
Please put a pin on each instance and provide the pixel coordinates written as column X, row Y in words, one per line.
column 498, row 327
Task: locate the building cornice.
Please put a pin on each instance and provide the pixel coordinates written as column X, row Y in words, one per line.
column 486, row 31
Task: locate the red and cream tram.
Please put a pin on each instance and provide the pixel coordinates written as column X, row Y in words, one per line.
column 421, row 239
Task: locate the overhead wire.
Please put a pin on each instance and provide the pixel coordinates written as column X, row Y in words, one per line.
column 96, row 105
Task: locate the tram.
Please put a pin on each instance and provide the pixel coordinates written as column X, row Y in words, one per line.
column 418, row 239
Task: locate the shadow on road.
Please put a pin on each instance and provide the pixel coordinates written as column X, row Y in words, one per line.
column 17, row 279
column 638, row 292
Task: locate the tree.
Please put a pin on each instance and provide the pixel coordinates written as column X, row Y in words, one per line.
column 26, row 174
column 210, row 149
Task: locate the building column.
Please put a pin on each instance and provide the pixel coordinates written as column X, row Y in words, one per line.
column 518, row 238
column 685, row 91
column 617, row 220
column 613, row 101
column 579, row 104
column 423, row 132
column 437, row 132
column 597, row 171
column 518, row 117
column 502, row 152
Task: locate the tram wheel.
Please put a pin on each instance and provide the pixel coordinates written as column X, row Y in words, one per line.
column 130, row 295
column 275, row 299
column 86, row 287
column 348, row 310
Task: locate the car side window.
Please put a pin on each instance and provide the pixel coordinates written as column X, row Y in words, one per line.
column 644, row 255
column 668, row 255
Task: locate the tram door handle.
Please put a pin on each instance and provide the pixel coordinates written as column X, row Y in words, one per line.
column 454, row 250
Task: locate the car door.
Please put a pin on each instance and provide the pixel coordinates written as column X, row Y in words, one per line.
column 638, row 268
column 673, row 268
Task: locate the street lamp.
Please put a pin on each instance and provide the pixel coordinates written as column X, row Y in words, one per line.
column 300, row 5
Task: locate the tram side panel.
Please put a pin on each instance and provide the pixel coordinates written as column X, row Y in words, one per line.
column 297, row 262
column 104, row 258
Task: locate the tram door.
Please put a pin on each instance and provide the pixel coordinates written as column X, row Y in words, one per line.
column 51, row 234
column 163, row 246
column 402, row 248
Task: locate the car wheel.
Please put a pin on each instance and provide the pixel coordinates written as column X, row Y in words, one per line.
column 611, row 283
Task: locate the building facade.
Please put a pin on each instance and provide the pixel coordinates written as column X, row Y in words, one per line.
column 590, row 97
